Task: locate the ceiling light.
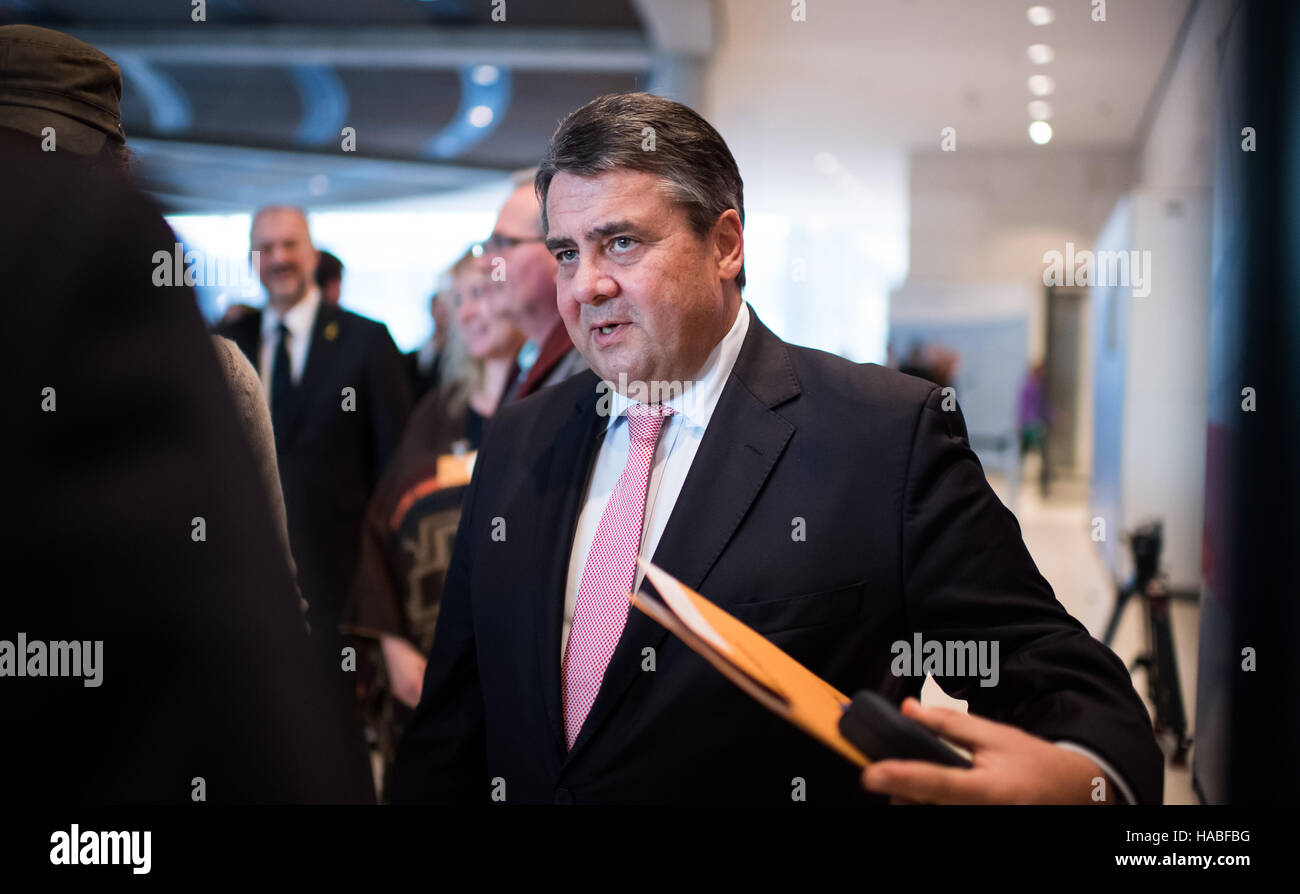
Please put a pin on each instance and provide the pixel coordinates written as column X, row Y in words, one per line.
column 1040, row 53
column 485, row 75
column 1040, row 132
column 480, row 116
column 1041, row 85
column 1040, row 110
column 1039, row 15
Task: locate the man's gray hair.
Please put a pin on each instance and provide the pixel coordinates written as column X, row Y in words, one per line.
column 643, row 132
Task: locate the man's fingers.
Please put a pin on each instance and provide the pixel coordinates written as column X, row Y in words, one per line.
column 921, row 782
column 965, row 729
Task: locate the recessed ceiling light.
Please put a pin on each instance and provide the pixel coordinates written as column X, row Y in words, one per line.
column 480, row 116
column 1041, row 85
column 1039, row 15
column 1040, row 110
column 1040, row 53
column 485, row 75
column 1040, row 132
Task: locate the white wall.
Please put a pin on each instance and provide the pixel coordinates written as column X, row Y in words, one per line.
column 989, row 217
column 825, row 196
column 1166, row 388
column 1163, row 390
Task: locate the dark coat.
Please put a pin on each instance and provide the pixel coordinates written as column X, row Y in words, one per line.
column 331, row 459
column 206, row 665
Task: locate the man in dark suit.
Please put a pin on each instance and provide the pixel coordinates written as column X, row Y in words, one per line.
column 339, row 400
column 835, row 507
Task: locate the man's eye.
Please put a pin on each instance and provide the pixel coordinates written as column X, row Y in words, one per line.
column 622, row 243
column 565, row 255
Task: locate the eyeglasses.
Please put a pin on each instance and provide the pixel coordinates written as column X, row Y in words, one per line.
column 498, row 242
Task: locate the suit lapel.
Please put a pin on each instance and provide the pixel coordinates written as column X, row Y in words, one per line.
column 565, row 469
column 745, row 438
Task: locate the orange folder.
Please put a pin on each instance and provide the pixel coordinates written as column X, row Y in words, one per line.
column 749, row 660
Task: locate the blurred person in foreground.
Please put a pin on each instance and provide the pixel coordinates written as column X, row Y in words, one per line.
column 412, row 517
column 537, row 674
column 133, row 495
column 56, row 82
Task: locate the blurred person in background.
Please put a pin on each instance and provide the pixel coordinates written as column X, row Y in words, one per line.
column 329, row 277
column 425, row 364
column 339, row 401
column 932, row 362
column 515, row 257
column 412, row 518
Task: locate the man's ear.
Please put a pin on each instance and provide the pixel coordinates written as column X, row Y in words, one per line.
column 728, row 244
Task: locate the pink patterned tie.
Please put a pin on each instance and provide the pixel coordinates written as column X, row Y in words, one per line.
column 601, row 608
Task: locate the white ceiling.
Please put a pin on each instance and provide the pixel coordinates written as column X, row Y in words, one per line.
column 898, row 71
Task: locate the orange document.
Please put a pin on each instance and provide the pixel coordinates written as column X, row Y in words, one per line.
column 749, row 660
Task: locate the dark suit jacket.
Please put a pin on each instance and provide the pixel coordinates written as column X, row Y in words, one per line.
column 330, row 460
column 206, row 663
column 903, row 534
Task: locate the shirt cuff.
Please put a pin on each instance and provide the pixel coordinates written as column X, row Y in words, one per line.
column 1124, row 790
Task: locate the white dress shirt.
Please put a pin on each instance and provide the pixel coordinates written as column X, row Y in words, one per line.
column 678, row 441
column 299, row 320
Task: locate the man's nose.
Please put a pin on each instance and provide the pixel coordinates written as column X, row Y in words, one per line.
column 589, row 284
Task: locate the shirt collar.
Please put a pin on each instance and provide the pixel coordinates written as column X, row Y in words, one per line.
column 297, row 319
column 695, row 405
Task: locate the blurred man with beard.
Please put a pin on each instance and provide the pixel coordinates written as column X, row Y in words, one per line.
column 339, row 400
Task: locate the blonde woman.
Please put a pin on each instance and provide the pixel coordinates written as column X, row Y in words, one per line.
column 412, row 518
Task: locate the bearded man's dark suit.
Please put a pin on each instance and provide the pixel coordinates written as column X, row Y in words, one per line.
column 903, row 534
column 331, row 457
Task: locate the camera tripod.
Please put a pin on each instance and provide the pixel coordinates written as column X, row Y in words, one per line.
column 1159, row 659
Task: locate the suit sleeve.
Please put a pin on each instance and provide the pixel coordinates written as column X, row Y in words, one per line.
column 390, row 403
column 967, row 575
column 443, row 754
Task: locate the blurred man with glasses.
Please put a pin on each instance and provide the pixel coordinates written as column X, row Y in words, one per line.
column 515, row 257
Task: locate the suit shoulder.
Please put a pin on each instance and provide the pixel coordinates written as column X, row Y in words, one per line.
column 546, row 408
column 823, row 373
column 357, row 322
column 245, row 327
column 555, row 399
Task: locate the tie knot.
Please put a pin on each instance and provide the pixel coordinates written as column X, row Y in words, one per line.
column 644, row 421
column 282, row 330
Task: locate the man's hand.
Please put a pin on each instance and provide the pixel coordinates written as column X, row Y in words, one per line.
column 1010, row 767
column 405, row 669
